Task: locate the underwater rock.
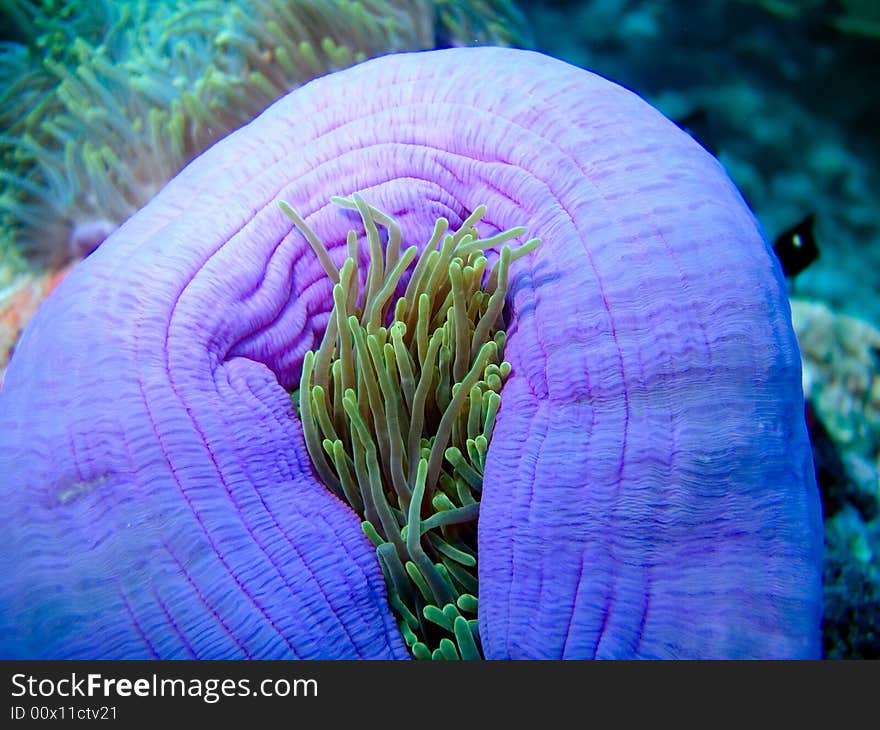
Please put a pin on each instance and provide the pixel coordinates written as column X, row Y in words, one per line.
column 649, row 489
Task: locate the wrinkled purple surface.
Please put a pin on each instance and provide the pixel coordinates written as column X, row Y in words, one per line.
column 649, row 489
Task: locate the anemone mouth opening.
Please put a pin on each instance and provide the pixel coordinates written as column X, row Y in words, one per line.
column 398, row 404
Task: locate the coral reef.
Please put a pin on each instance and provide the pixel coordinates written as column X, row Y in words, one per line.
column 841, row 374
column 842, row 382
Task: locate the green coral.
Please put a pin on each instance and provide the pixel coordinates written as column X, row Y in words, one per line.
column 104, row 101
column 397, row 419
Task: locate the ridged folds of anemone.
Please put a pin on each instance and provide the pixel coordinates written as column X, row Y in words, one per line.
column 397, row 419
column 648, row 491
column 103, row 102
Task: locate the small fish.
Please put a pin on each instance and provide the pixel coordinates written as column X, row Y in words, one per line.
column 796, row 247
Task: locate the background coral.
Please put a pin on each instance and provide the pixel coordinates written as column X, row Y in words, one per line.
column 842, row 382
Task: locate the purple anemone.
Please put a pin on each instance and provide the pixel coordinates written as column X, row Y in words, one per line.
column 649, row 488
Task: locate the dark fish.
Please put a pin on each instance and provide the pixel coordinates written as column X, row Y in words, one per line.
column 796, row 247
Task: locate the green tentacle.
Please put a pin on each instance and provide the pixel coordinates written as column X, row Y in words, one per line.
column 401, row 430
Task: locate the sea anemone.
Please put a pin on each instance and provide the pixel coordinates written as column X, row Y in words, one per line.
column 104, row 102
column 648, row 490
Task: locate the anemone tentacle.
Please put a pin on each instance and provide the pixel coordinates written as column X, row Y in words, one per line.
column 101, row 103
column 407, row 448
